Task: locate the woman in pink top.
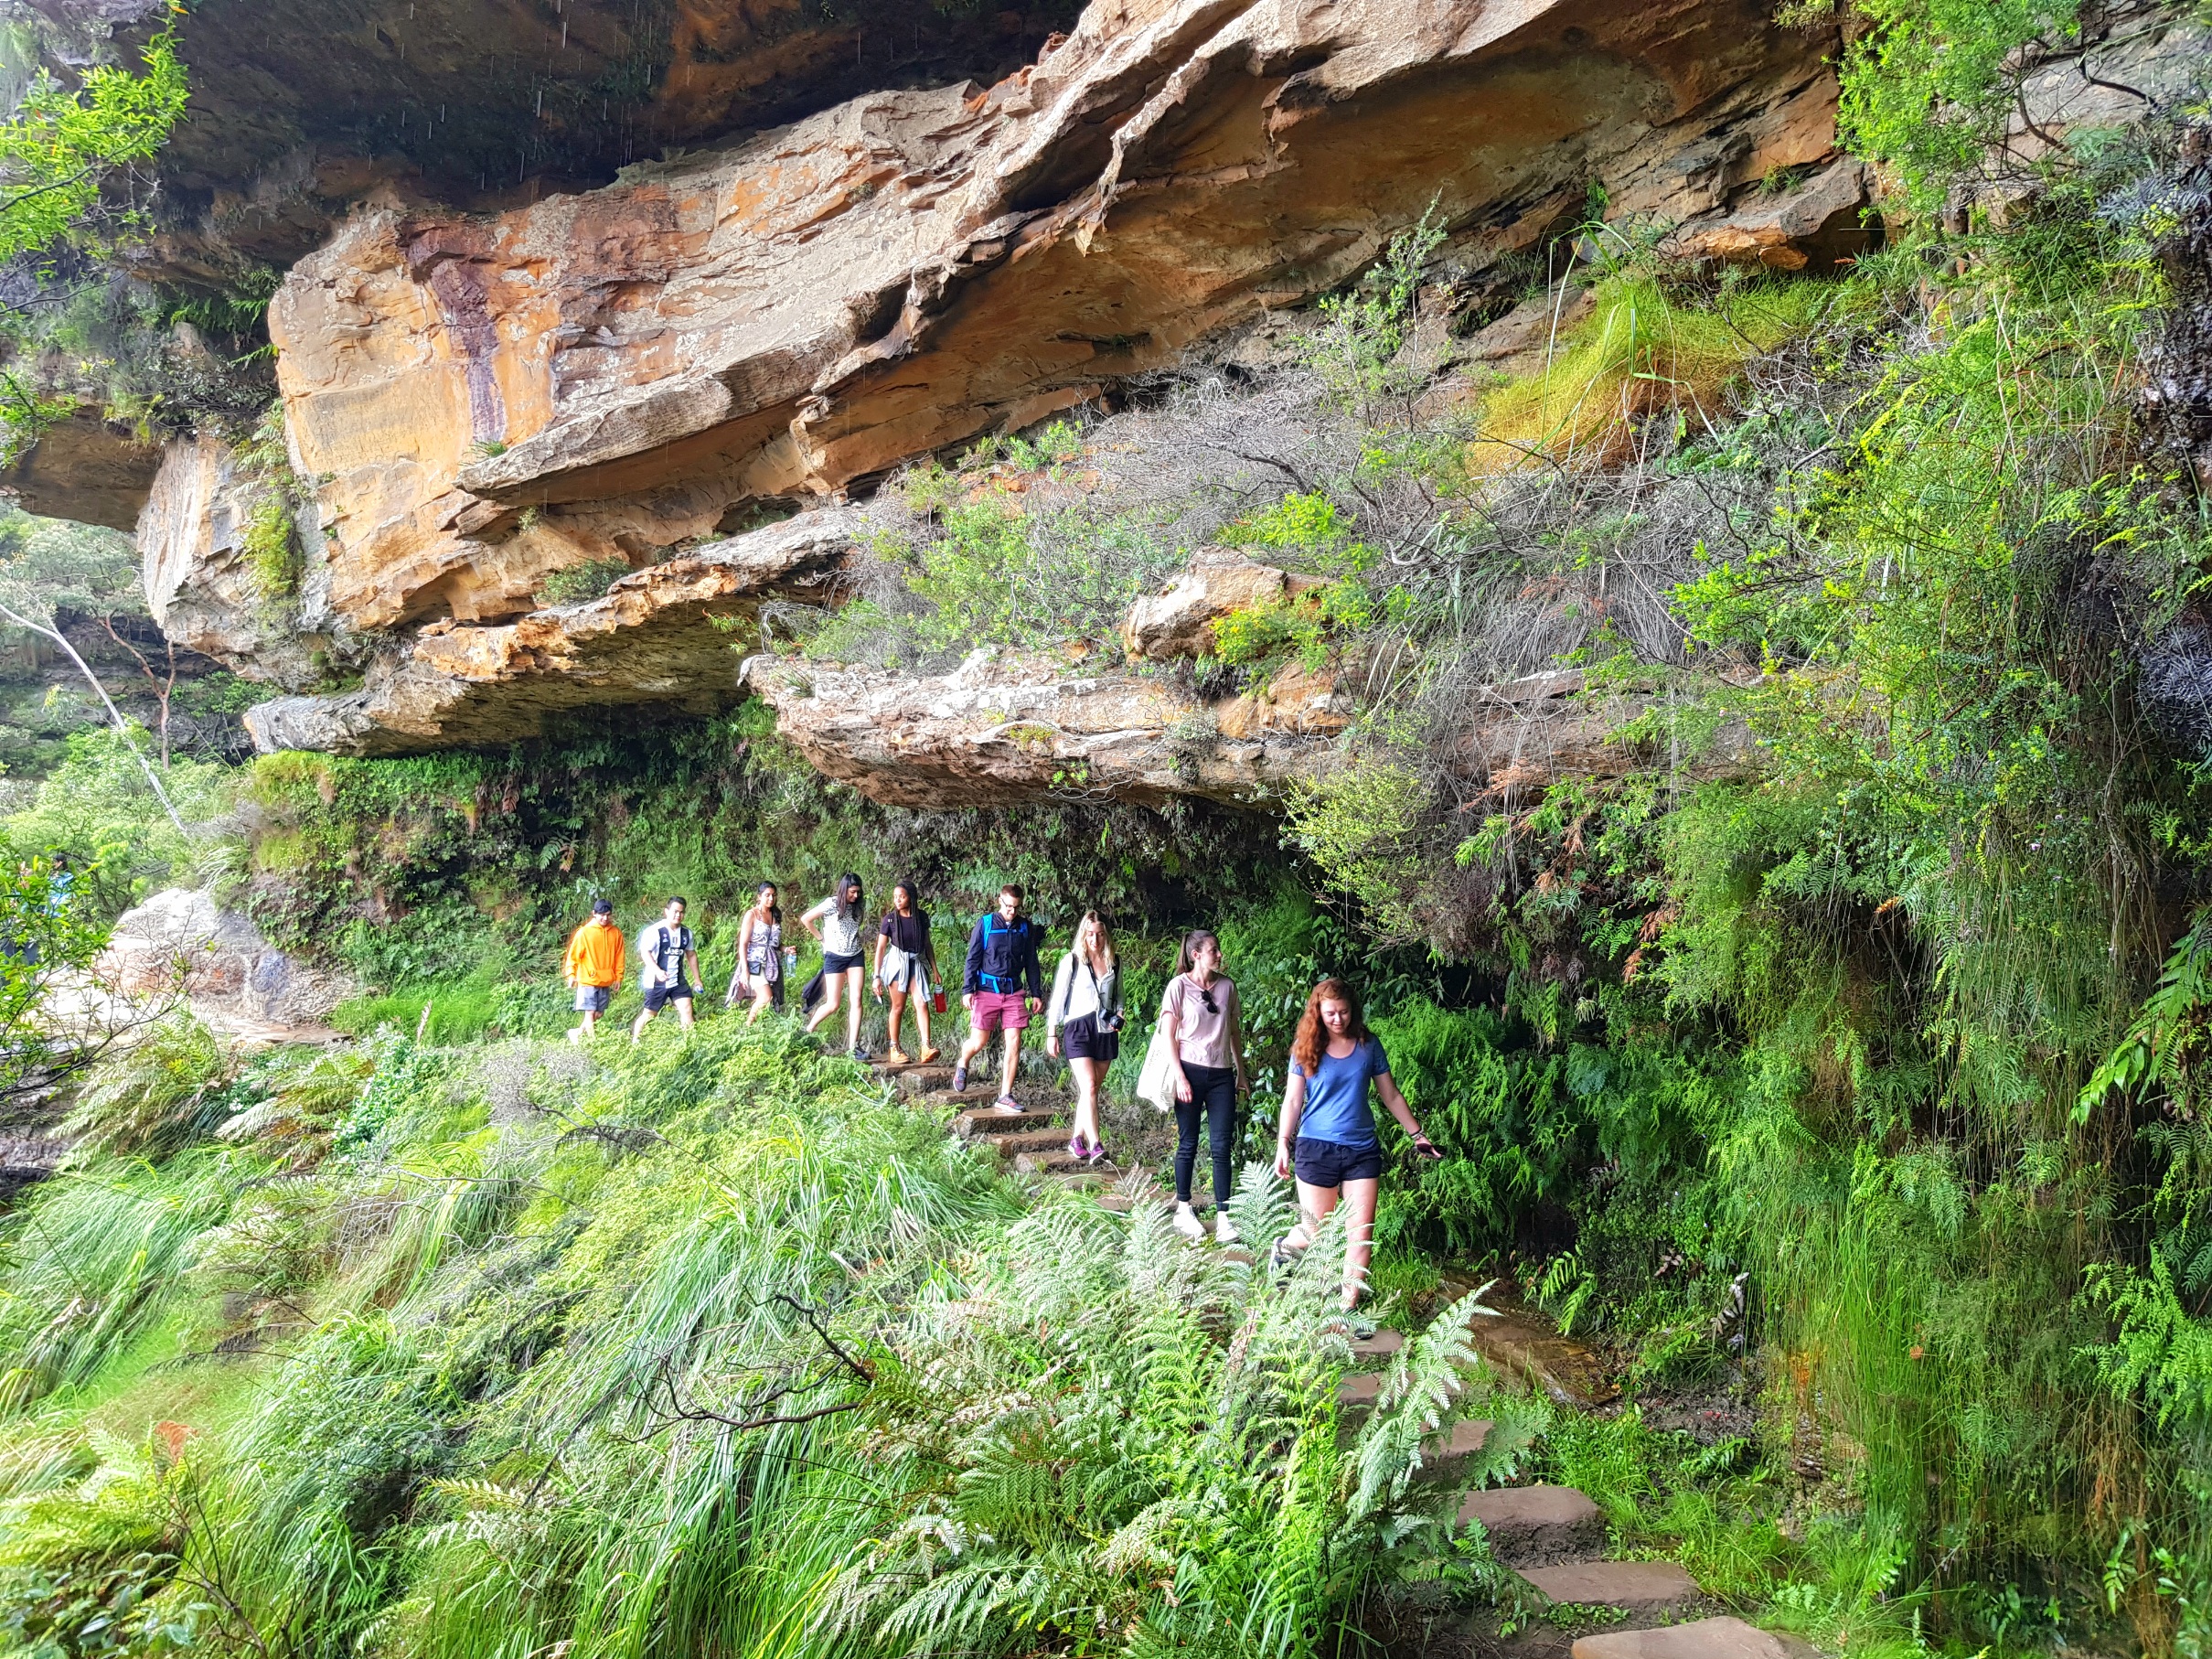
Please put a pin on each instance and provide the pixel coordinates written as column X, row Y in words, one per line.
column 1206, row 1035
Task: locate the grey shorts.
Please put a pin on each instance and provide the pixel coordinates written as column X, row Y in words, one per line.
column 593, row 999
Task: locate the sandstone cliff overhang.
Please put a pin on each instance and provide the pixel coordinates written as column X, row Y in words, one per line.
column 298, row 109
column 1008, row 727
column 798, row 311
column 670, row 634
column 84, row 467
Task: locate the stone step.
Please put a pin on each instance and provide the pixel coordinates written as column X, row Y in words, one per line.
column 981, row 1119
column 1634, row 1586
column 1380, row 1345
column 1700, row 1639
column 1445, row 1452
column 1357, row 1392
column 1015, row 1140
column 915, row 1079
column 1057, row 1160
column 1536, row 1526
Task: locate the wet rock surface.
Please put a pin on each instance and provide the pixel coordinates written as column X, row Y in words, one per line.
column 298, row 112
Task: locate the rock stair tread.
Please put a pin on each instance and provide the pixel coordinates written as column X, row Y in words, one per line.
column 1016, row 1139
column 1635, row 1587
column 1722, row 1638
column 1057, row 1160
column 981, row 1121
column 1536, row 1526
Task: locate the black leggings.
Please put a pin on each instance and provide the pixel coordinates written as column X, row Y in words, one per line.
column 1214, row 1095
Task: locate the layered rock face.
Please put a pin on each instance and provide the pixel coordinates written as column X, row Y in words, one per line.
column 1008, row 727
column 193, row 535
column 668, row 634
column 617, row 372
column 634, row 370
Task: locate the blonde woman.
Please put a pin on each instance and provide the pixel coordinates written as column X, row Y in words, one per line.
column 1084, row 1009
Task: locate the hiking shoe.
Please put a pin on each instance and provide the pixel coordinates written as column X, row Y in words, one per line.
column 1225, row 1230
column 959, row 1079
column 860, row 1053
column 926, row 1055
column 896, row 1057
column 1188, row 1223
column 1006, row 1106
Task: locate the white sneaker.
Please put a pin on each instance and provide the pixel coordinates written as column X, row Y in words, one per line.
column 1225, row 1230
column 1188, row 1223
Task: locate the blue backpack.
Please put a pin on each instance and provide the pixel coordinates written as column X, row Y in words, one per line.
column 992, row 927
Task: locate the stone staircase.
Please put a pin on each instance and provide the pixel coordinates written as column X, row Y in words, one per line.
column 1034, row 1142
column 1554, row 1539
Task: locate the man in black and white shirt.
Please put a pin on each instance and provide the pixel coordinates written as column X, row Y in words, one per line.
column 668, row 949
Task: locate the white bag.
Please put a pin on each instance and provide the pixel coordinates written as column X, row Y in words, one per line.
column 1156, row 1082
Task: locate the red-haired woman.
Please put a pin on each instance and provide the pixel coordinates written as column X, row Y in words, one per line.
column 1327, row 1134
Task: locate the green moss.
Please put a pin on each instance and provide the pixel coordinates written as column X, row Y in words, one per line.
column 270, row 549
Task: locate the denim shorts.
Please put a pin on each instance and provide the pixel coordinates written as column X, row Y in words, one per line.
column 593, row 999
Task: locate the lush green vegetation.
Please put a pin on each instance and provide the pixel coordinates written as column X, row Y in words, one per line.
column 682, row 1344
column 1832, row 1062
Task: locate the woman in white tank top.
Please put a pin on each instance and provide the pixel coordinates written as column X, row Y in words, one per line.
column 841, row 916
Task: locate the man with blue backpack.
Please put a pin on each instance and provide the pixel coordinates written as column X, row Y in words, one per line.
column 1004, row 985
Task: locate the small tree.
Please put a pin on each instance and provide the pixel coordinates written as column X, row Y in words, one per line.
column 58, row 157
column 47, row 940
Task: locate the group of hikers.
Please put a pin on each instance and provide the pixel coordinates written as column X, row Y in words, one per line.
column 1195, row 1067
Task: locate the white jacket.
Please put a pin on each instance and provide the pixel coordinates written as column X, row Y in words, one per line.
column 1076, row 992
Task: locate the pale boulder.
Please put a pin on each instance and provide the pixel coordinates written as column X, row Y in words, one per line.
column 1177, row 621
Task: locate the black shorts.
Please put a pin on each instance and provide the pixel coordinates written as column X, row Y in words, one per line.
column 659, row 995
column 835, row 964
column 1329, row 1163
column 1086, row 1042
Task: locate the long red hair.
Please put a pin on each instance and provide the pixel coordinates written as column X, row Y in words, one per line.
column 1313, row 1036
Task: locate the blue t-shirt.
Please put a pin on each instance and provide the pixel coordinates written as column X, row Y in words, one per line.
column 1336, row 1096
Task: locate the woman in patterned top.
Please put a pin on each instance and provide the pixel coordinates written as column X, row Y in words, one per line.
column 760, row 955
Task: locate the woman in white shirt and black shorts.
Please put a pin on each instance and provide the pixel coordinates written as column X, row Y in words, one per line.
column 1084, row 1013
column 841, row 917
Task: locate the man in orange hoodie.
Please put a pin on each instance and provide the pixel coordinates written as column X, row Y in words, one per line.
column 594, row 967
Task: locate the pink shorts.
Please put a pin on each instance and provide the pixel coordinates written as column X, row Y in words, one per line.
column 999, row 1011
